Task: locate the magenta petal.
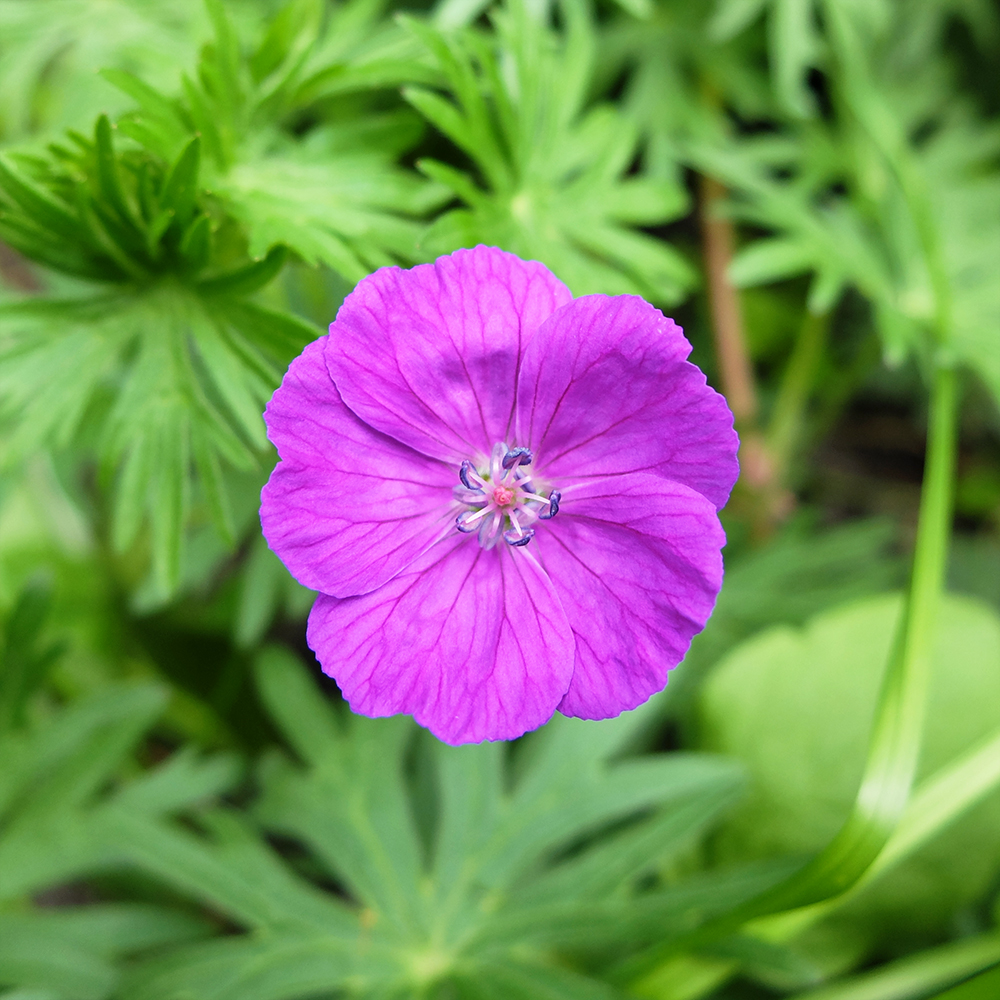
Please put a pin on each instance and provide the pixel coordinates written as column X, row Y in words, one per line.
column 638, row 565
column 473, row 644
column 605, row 389
column 346, row 508
column 430, row 355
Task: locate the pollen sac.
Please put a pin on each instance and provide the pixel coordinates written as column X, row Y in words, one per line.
column 553, row 508
column 463, row 474
column 511, row 537
column 466, row 522
column 501, row 498
column 517, row 456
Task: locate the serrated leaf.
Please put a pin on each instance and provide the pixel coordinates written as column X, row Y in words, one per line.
column 554, row 171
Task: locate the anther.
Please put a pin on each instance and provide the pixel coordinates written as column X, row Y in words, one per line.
column 553, row 508
column 463, row 474
column 511, row 537
column 465, row 522
column 517, row 456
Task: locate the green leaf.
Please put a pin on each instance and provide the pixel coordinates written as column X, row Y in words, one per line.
column 526, row 980
column 767, row 261
column 181, row 186
column 295, row 23
column 53, row 51
column 183, row 780
column 248, row 279
column 802, row 735
column 196, row 246
column 981, row 987
column 49, row 213
column 107, row 169
column 234, row 872
column 732, row 16
column 71, row 951
column 793, row 47
column 917, row 976
column 23, row 665
column 260, row 595
column 290, row 696
column 348, row 211
column 52, row 775
column 213, row 485
column 31, row 957
column 556, row 184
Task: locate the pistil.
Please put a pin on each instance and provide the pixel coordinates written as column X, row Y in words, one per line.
column 501, row 499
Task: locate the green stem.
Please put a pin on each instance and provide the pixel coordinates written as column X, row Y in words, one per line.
column 896, row 736
column 785, row 426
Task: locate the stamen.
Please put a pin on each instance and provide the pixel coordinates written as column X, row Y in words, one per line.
column 501, row 498
column 517, row 456
column 517, row 541
column 554, row 497
column 463, row 474
column 466, row 521
column 490, row 530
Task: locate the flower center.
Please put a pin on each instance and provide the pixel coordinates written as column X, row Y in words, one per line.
column 503, row 495
column 500, row 500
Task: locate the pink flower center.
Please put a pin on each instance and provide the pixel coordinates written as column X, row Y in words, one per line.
column 503, row 495
column 500, row 500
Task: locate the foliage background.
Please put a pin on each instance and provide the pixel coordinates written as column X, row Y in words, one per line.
column 187, row 191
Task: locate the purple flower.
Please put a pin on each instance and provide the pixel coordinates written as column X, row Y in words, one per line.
column 506, row 497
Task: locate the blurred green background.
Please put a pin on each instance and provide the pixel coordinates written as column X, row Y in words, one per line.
column 187, row 192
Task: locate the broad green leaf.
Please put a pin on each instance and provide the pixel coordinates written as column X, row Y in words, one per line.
column 796, row 708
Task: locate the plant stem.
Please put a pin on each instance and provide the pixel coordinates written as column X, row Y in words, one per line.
column 735, row 369
column 762, row 495
column 15, row 271
column 896, row 735
column 785, row 426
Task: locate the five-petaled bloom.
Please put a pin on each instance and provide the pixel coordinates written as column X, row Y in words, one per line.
column 506, row 497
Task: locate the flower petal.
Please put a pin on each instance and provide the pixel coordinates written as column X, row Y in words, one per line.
column 474, row 644
column 346, row 508
column 638, row 566
column 605, row 389
column 430, row 355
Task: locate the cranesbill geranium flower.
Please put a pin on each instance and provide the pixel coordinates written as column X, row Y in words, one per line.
column 506, row 497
